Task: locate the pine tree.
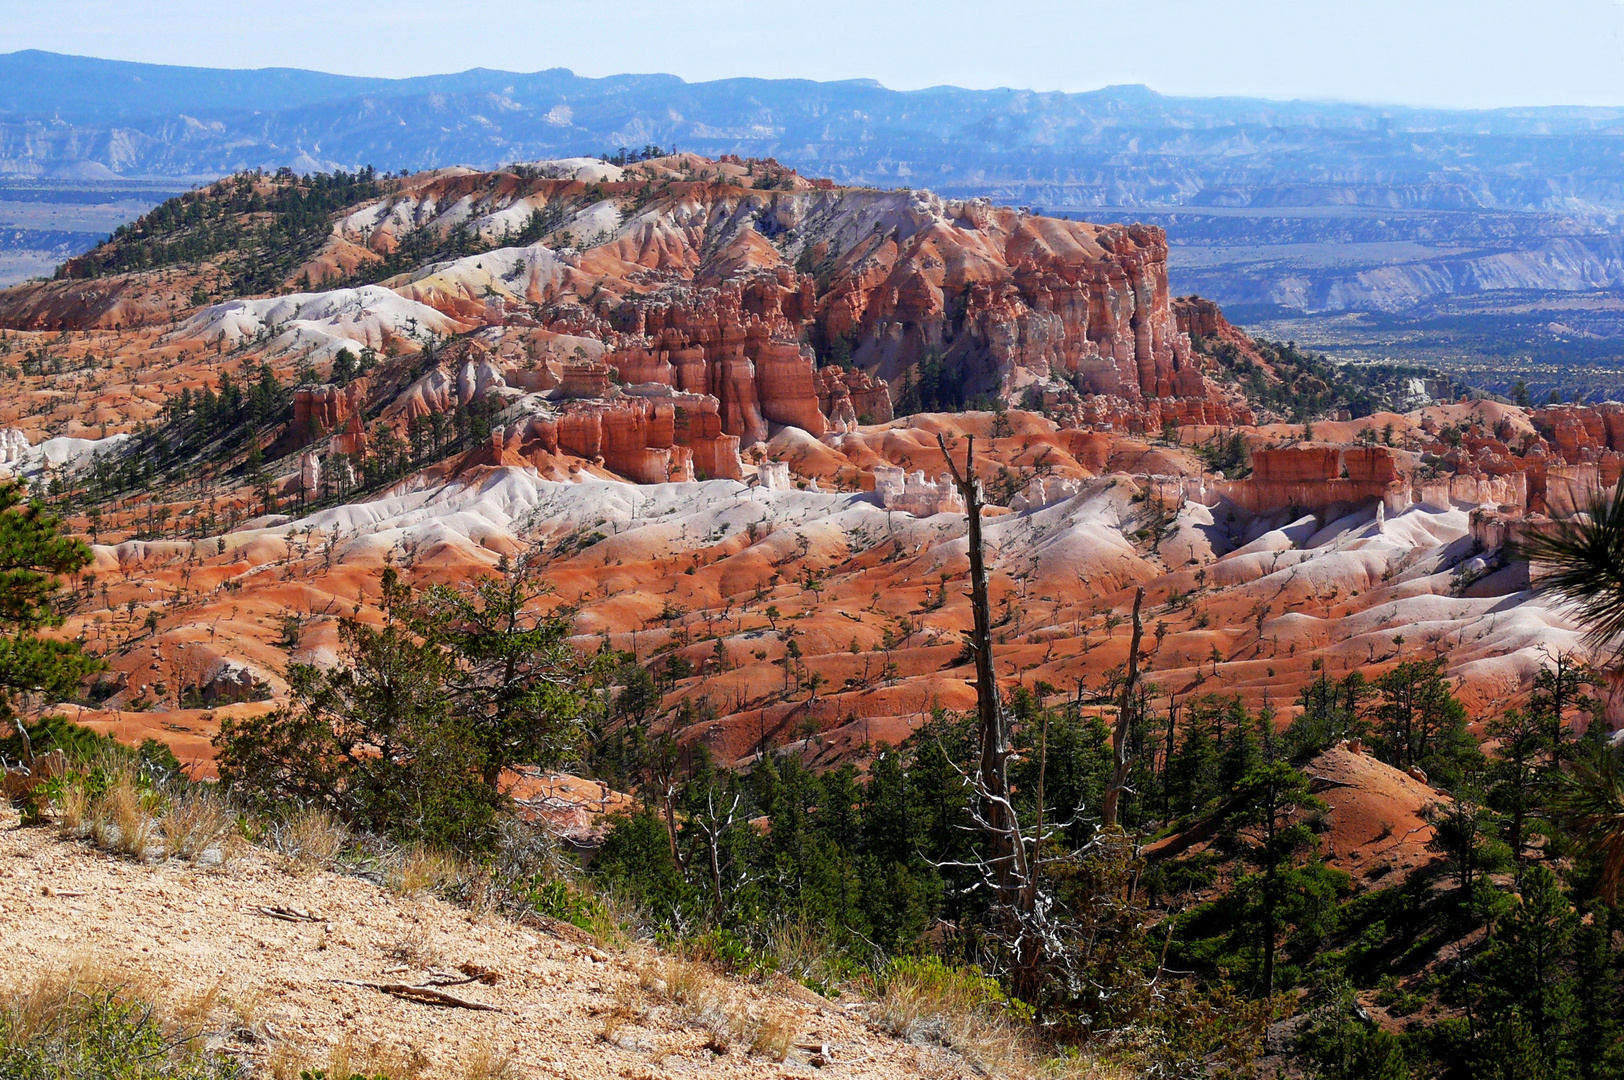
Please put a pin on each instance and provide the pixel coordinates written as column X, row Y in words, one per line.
column 1526, row 981
column 1420, row 723
column 1599, row 1046
column 35, row 553
column 1192, row 774
column 1266, row 822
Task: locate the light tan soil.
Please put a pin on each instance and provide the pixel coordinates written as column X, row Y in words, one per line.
column 281, row 999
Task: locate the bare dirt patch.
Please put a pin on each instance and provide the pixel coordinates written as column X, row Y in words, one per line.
column 288, row 988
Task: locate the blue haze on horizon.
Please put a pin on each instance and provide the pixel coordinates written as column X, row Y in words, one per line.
column 1441, row 53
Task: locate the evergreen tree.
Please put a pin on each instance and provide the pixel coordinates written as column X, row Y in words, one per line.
column 1330, row 712
column 1419, row 723
column 344, row 367
column 35, row 553
column 1517, row 780
column 1192, row 774
column 1266, row 822
column 1599, row 974
column 410, row 732
column 1463, row 834
column 515, row 680
column 1346, row 1045
column 1526, row 984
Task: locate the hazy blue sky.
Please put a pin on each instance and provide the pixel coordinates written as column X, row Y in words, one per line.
column 1429, row 52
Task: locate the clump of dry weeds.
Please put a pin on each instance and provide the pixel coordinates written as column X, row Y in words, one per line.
column 702, row 999
column 90, row 1020
column 200, row 827
column 121, row 818
column 312, row 838
column 418, row 868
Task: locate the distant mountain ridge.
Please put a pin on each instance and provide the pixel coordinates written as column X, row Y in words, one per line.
column 1120, row 146
column 1275, row 209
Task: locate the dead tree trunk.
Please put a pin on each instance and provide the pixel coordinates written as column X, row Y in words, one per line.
column 1016, row 884
column 1124, row 720
column 28, row 744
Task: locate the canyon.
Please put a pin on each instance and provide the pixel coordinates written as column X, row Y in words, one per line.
column 1482, row 240
column 688, row 390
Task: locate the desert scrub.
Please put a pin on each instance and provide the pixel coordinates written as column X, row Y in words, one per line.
column 417, row 868
column 86, row 1025
column 122, row 803
column 200, row 826
column 699, row 998
column 806, row 953
column 577, row 903
column 123, row 816
column 928, row 1001
column 312, row 838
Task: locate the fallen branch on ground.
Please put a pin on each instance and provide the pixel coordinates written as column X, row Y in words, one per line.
column 423, row 995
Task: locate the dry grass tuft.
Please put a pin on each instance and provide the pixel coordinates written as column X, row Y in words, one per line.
column 804, row 953
column 200, row 827
column 774, row 1033
column 418, row 868
column 32, row 1008
column 73, row 812
column 395, row 1062
column 709, row 1003
column 415, row 947
column 196, row 1009
column 121, row 821
column 483, row 1063
column 626, row 1011
column 285, row 1063
column 94, row 1021
column 245, row 1013
column 312, row 838
column 928, row 1002
column 345, row 1060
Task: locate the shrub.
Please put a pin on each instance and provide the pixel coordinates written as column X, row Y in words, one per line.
column 86, row 1024
column 199, row 826
column 121, row 818
column 410, row 733
column 312, row 838
column 558, row 899
column 925, row 1000
column 701, row 999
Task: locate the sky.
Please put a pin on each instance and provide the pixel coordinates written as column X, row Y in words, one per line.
column 1450, row 53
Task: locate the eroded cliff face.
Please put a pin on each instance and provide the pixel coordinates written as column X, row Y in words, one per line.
column 740, row 293
column 741, row 280
column 1008, row 298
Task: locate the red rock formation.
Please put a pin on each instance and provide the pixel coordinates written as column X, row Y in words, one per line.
column 1296, row 464
column 1313, row 477
column 646, row 440
column 1370, row 465
column 1091, row 449
column 714, row 287
column 326, row 407
column 849, row 397
column 587, row 380
column 1204, row 321
column 352, row 440
column 737, row 342
column 1574, row 430
column 120, row 301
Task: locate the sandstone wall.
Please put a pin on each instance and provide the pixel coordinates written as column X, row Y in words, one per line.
column 645, row 440
column 737, row 342
column 326, row 407
column 847, row 396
